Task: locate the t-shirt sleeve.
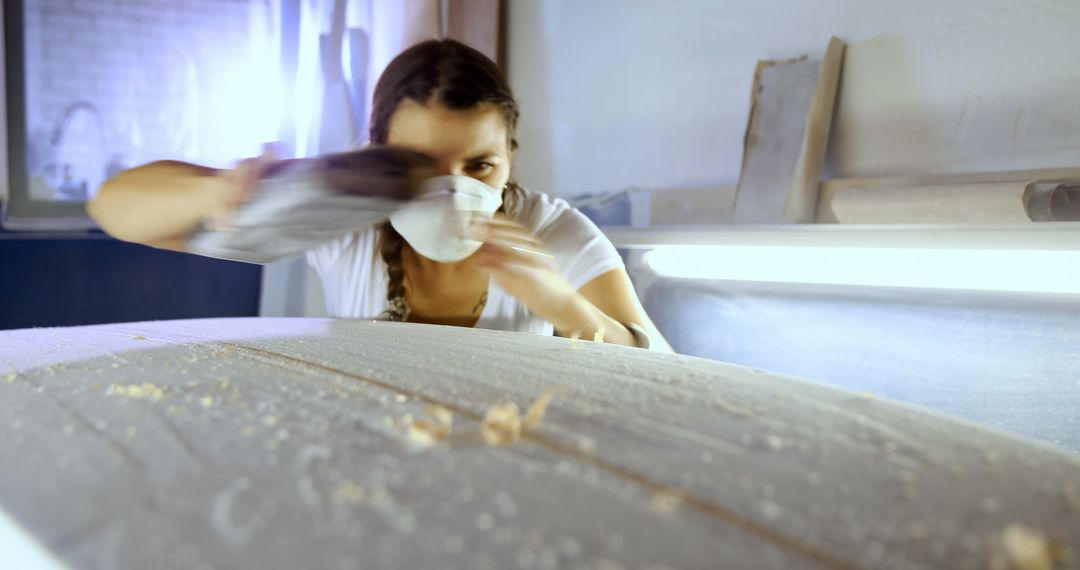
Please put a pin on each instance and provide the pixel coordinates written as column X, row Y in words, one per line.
column 582, row 252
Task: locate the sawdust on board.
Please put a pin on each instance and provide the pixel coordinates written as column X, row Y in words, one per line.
column 666, row 502
column 503, row 423
column 349, row 493
column 137, row 391
column 539, row 407
column 435, row 425
column 1023, row 548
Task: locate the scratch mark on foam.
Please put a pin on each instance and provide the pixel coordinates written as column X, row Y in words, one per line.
column 93, row 348
column 179, row 437
column 305, row 484
column 121, row 450
column 867, row 421
column 222, row 515
column 714, row 444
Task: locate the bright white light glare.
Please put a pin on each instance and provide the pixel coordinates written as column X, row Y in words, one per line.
column 1036, row 271
column 19, row 550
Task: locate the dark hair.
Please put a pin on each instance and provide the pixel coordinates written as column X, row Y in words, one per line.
column 458, row 77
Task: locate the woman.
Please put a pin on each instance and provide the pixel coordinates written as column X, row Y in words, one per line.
column 544, row 268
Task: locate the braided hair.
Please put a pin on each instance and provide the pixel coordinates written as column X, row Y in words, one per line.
column 459, row 78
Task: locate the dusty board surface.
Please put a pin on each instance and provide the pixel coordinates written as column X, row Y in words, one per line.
column 277, row 443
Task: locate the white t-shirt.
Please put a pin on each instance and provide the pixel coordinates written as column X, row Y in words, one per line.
column 354, row 275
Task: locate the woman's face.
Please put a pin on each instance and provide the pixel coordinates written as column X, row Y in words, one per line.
column 473, row 142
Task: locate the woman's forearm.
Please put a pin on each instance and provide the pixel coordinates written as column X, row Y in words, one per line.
column 159, row 201
column 579, row 317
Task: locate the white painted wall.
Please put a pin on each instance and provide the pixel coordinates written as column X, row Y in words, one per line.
column 619, row 93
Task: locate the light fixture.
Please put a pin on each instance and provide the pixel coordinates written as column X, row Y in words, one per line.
column 976, row 270
column 1041, row 259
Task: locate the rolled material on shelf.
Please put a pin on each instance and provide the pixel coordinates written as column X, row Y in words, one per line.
column 986, row 202
column 1054, row 202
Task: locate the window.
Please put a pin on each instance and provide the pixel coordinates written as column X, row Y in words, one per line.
column 97, row 86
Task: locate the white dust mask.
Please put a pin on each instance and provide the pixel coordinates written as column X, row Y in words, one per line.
column 437, row 222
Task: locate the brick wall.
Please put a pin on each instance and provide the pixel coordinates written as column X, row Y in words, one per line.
column 161, row 78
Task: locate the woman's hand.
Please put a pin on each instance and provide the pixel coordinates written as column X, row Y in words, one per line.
column 520, row 265
column 379, row 171
column 239, row 185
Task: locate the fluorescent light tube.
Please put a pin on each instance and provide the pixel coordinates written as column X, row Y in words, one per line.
column 1033, row 271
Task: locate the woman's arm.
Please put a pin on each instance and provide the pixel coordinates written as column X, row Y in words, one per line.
column 613, row 294
column 521, row 266
column 161, row 202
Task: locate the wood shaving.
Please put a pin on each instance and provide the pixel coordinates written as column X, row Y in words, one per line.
column 1023, row 548
column 598, row 338
column 539, row 408
column 137, row 391
column 435, row 425
column 502, row 424
column 348, row 493
column 207, row 401
column 10, row 378
column 729, row 407
column 575, row 340
column 666, row 502
column 420, row 438
column 138, row 337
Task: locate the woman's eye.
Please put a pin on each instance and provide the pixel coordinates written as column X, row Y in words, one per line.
column 481, row 166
